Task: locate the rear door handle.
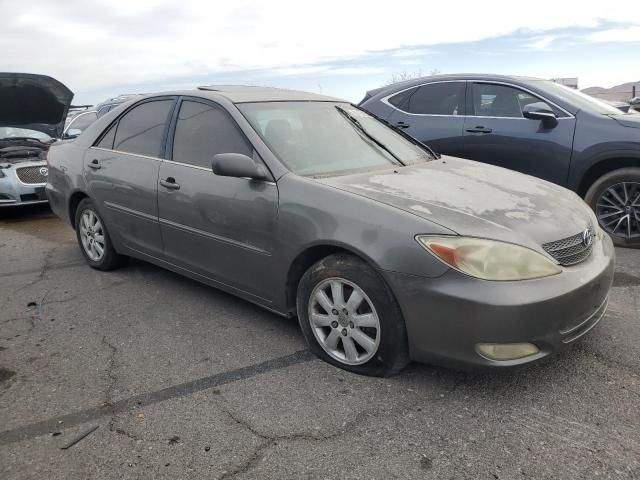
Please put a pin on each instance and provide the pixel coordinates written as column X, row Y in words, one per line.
column 402, row 125
column 479, row 129
column 170, row 183
column 95, row 164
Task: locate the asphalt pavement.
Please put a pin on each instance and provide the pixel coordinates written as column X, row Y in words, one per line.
column 184, row 381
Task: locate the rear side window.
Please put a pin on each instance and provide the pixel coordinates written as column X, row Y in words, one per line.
column 400, row 100
column 203, row 131
column 107, row 139
column 141, row 130
column 444, row 98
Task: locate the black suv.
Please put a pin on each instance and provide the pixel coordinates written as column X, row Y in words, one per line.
column 531, row 125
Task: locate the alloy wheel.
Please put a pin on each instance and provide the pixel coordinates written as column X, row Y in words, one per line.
column 92, row 235
column 618, row 210
column 344, row 321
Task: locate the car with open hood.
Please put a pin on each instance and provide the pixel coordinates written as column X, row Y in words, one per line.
column 311, row 207
column 33, row 109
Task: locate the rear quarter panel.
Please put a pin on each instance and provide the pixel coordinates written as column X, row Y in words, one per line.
column 65, row 176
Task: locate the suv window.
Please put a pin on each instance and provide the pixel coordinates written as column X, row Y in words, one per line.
column 203, row 131
column 443, row 98
column 82, row 121
column 493, row 100
column 141, row 130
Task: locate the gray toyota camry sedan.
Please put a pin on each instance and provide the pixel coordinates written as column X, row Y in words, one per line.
column 310, row 207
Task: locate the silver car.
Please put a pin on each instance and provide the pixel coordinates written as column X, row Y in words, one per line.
column 32, row 115
column 310, row 207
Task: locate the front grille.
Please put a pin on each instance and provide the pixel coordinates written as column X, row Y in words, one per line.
column 570, row 250
column 32, row 175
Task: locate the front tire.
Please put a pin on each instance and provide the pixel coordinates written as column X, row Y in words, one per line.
column 615, row 197
column 350, row 317
column 94, row 240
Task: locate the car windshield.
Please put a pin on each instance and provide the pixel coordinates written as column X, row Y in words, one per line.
column 326, row 138
column 579, row 99
column 15, row 132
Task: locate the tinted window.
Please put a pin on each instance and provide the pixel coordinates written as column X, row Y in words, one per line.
column 399, row 100
column 492, row 100
column 107, row 139
column 203, row 131
column 81, row 122
column 141, row 130
column 324, row 138
column 446, row 98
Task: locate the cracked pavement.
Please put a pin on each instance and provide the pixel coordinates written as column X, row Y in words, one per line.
column 185, row 381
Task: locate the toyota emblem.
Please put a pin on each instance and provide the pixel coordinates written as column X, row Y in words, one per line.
column 44, row 171
column 587, row 237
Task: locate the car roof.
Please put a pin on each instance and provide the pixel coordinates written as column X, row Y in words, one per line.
column 459, row 76
column 246, row 93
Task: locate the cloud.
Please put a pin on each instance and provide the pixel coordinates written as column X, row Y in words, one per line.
column 541, row 43
column 98, row 44
column 627, row 34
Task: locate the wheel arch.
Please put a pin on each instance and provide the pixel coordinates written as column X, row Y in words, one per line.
column 74, row 200
column 602, row 167
column 309, row 256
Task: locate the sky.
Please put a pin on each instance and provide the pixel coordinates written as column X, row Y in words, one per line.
column 101, row 48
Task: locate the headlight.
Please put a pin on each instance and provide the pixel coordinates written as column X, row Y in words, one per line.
column 489, row 259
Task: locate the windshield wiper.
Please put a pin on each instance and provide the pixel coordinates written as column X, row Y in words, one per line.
column 359, row 126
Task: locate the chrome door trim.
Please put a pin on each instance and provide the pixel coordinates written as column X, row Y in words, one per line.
column 385, row 100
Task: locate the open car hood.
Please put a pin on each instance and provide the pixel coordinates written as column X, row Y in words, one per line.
column 36, row 102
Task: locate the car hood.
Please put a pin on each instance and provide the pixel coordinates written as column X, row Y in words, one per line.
column 630, row 120
column 475, row 199
column 36, row 102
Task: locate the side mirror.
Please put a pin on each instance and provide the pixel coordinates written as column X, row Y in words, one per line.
column 237, row 165
column 540, row 111
column 72, row 133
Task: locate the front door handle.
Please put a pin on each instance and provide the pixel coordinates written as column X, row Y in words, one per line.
column 170, row 183
column 479, row 129
column 402, row 125
column 95, row 164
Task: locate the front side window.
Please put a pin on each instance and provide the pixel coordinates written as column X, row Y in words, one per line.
column 141, row 130
column 318, row 139
column 203, row 131
column 442, row 98
column 494, row 100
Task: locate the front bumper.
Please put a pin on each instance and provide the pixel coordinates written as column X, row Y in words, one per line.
column 14, row 192
column 446, row 317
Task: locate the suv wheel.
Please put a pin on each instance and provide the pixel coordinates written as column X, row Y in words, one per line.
column 350, row 318
column 615, row 197
column 94, row 239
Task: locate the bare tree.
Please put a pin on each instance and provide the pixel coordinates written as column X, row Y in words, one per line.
column 404, row 75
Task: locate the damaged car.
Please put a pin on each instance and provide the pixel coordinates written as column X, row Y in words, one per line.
column 313, row 208
column 32, row 116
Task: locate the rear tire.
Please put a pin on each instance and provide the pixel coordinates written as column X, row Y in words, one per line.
column 615, row 197
column 350, row 317
column 93, row 238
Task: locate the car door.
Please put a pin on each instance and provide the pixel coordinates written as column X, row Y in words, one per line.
column 218, row 227
column 121, row 171
column 432, row 113
column 496, row 132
